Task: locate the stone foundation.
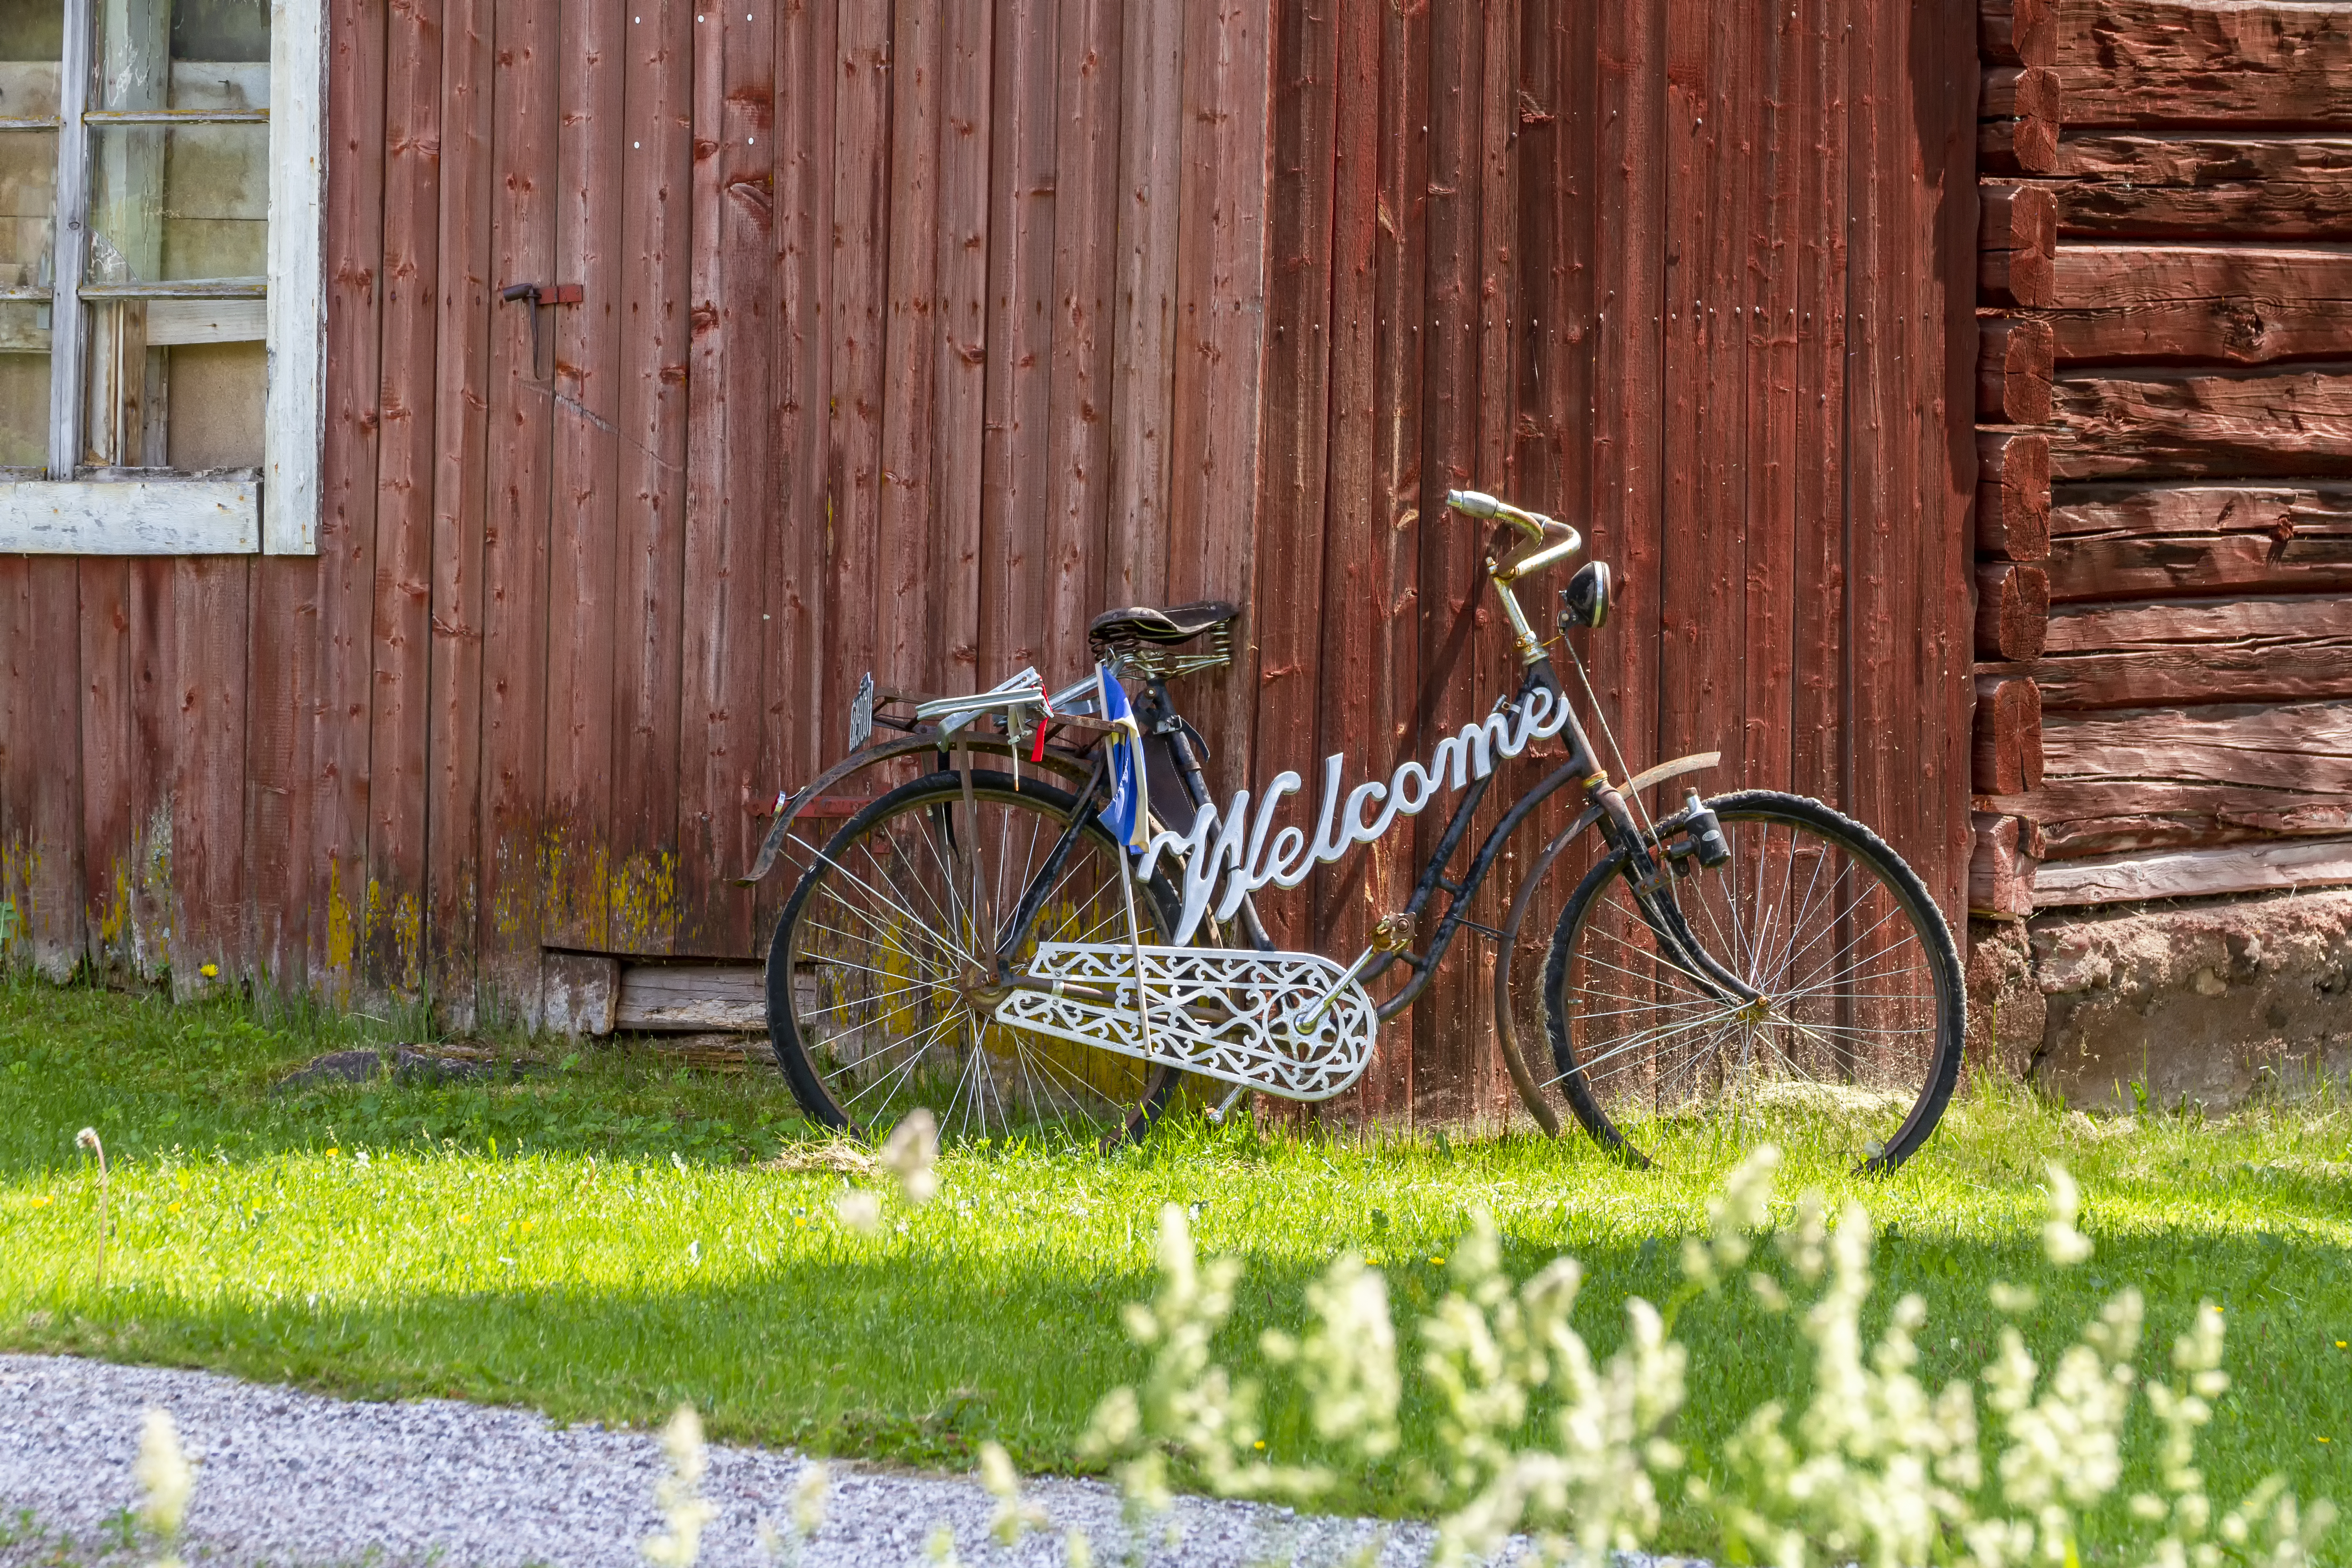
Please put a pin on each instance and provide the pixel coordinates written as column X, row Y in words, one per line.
column 2202, row 1003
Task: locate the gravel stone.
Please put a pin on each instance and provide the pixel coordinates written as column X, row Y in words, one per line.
column 301, row 1480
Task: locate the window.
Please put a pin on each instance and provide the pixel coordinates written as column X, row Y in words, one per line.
column 162, row 314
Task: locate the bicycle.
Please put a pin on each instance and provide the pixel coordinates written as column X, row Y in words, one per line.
column 1018, row 938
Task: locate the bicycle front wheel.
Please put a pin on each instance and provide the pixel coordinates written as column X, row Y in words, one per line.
column 1852, row 1035
column 882, row 974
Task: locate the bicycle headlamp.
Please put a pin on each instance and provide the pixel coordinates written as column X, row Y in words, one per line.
column 1585, row 601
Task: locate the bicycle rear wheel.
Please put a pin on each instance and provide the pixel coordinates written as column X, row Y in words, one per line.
column 1853, row 1040
column 881, row 975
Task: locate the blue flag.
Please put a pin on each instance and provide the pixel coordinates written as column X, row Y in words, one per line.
column 1127, row 814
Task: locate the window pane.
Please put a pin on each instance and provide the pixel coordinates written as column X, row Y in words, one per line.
column 220, row 29
column 31, row 30
column 28, row 193
column 179, row 203
column 24, row 385
column 215, row 408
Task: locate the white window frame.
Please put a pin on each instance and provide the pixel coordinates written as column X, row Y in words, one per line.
column 149, row 513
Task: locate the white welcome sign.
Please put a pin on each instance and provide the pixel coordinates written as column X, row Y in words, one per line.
column 1249, row 855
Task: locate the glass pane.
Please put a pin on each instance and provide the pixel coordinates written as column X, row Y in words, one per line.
column 28, row 197
column 214, row 405
column 220, row 29
column 24, row 385
column 32, row 40
column 32, row 30
column 179, row 203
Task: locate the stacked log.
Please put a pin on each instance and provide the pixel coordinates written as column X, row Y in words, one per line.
column 2164, row 394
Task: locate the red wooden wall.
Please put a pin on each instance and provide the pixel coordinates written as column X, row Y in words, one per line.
column 913, row 335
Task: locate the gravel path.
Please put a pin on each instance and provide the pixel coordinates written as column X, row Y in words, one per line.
column 290, row 1478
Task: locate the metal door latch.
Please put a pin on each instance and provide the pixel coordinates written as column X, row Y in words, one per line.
column 548, row 294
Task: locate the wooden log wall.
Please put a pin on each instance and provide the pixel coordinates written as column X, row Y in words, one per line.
column 2165, row 385
column 909, row 337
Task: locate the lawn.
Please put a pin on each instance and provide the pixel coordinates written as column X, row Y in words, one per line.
column 606, row 1237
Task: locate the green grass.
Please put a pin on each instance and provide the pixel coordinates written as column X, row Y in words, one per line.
column 604, row 1241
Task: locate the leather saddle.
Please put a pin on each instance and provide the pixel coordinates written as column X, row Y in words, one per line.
column 1175, row 624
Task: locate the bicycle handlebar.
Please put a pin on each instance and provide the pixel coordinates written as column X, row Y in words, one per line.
column 1566, row 539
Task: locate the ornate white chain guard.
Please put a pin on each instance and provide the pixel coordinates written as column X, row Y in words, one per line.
column 1240, row 1016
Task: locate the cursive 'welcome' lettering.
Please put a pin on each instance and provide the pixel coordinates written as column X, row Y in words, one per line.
column 1248, row 854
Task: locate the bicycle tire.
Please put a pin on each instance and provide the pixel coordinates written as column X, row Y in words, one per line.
column 1640, row 1039
column 859, row 1057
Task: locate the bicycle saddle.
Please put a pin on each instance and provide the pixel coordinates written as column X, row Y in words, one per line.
column 1176, row 624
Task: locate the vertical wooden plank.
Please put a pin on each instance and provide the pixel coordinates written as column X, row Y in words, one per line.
column 337, row 864
column 1883, row 662
column 584, row 522
column 903, row 584
column 1220, row 343
column 652, row 271
column 209, row 625
column 1015, row 487
column 1629, row 292
column 1372, row 557
column 959, row 397
column 1939, row 56
column 1817, row 652
column 402, row 638
column 727, row 446
column 1078, row 524
column 281, row 704
column 154, row 735
column 49, row 919
column 1452, row 546
column 514, row 536
column 103, row 587
column 461, row 431
column 1152, row 69
column 1708, row 93
column 802, row 733
column 1780, row 133
column 1295, row 438
column 1499, row 310
column 19, row 755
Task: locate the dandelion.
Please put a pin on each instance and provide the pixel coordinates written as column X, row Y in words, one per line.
column 679, row 1494
column 860, row 1210
column 911, row 1153
column 43, row 1200
column 2063, row 1245
column 1014, row 1516
column 209, row 970
column 162, row 1473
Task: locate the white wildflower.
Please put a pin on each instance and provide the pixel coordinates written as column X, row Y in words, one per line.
column 2064, row 1245
column 860, row 1210
column 940, row 1547
column 1744, row 1206
column 1189, row 1405
column 1490, row 1348
column 1078, row 1548
column 911, row 1153
column 1346, row 1359
column 163, row 1475
column 1014, row 1516
column 679, row 1494
column 2010, row 1300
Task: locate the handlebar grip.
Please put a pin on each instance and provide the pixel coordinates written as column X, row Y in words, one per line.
column 1477, row 503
